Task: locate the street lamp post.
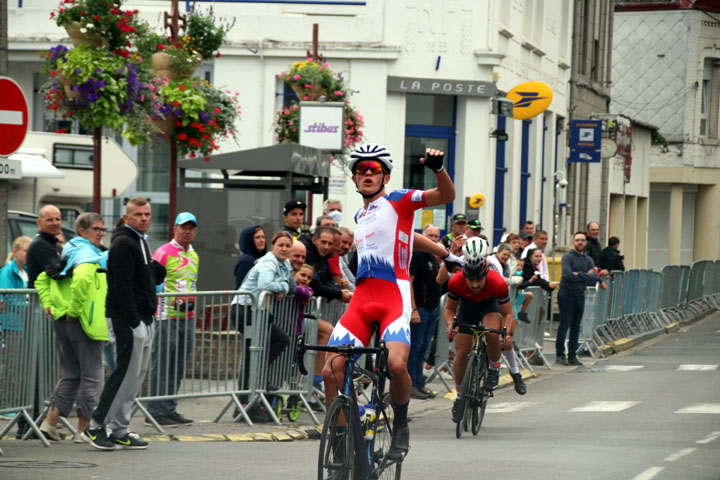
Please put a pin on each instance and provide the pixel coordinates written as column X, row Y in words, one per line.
column 173, row 22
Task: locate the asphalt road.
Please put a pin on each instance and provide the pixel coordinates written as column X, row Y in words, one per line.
column 652, row 412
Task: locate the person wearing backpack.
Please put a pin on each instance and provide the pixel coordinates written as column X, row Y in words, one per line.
column 72, row 292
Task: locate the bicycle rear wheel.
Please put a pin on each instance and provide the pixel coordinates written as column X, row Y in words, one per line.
column 466, row 392
column 337, row 460
column 382, row 440
column 480, row 396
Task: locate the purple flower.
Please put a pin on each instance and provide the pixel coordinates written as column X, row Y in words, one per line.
column 98, row 70
column 78, row 71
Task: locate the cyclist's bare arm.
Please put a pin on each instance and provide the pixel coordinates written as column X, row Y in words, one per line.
column 449, row 313
column 443, row 276
column 445, row 190
column 424, row 244
column 509, row 322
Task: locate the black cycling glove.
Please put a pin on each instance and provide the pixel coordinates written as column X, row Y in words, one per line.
column 434, row 162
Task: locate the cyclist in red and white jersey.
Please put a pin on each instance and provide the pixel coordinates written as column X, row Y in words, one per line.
column 482, row 297
column 384, row 240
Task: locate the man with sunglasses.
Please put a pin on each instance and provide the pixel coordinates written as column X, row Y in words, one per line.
column 384, row 239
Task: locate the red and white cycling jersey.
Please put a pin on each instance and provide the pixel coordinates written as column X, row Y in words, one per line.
column 384, row 240
column 384, row 235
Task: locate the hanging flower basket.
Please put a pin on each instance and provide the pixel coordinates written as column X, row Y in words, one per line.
column 312, row 92
column 166, row 125
column 67, row 84
column 164, row 66
column 77, row 37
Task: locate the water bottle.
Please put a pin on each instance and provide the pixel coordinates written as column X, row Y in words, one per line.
column 362, row 415
column 369, row 421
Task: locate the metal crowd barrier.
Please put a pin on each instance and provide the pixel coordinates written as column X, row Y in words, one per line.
column 23, row 346
column 330, row 310
column 529, row 337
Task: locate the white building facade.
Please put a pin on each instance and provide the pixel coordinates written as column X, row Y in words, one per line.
column 422, row 74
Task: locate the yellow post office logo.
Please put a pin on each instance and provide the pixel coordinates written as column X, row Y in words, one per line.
column 530, row 99
column 476, row 200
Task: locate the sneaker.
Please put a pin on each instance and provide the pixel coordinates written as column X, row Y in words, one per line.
column 49, row 431
column 259, row 414
column 418, row 394
column 129, row 441
column 519, row 384
column 458, row 408
column 493, row 378
column 78, row 438
column 575, row 362
column 523, row 317
column 98, row 438
column 429, row 393
column 163, row 421
column 400, row 443
column 561, row 360
column 180, row 419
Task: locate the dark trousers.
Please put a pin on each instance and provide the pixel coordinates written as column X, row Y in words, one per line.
column 420, row 334
column 173, row 343
column 572, row 306
column 279, row 341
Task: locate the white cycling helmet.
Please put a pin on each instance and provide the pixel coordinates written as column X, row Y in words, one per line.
column 371, row 151
column 475, row 247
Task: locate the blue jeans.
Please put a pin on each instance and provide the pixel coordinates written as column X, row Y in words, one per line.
column 420, row 334
column 174, row 341
column 572, row 306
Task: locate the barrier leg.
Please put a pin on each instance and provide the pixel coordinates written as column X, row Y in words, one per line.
column 148, row 416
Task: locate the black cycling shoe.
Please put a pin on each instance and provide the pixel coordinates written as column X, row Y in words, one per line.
column 400, row 443
column 493, row 378
column 519, row 384
column 458, row 408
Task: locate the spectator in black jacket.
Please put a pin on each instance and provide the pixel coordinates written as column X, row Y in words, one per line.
column 43, row 250
column 610, row 258
column 252, row 244
column 131, row 304
column 593, row 247
column 318, row 249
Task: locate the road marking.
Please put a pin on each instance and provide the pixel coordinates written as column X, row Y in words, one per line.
column 680, row 454
column 709, row 438
column 623, row 368
column 701, row 408
column 698, row 368
column 604, row 407
column 11, row 117
column 649, row 473
column 508, row 407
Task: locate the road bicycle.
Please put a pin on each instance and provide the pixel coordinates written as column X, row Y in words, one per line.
column 356, row 438
column 473, row 390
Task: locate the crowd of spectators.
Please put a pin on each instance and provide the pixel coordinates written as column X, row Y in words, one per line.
column 321, row 263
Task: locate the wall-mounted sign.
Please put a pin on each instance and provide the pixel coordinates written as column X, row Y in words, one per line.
column 530, row 99
column 476, row 201
column 586, row 156
column 608, row 148
column 321, row 125
column 471, row 88
column 586, row 134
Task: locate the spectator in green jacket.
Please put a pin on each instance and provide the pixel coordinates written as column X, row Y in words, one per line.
column 73, row 294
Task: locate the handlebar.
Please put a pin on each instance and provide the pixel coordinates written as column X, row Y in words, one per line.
column 480, row 328
column 345, row 350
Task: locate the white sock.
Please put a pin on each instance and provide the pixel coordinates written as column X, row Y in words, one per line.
column 510, row 357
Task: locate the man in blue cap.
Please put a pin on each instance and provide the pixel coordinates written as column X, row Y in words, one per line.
column 175, row 328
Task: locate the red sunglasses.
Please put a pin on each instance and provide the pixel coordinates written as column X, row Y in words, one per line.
column 369, row 166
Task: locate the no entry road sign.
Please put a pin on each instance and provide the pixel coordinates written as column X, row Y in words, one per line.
column 13, row 116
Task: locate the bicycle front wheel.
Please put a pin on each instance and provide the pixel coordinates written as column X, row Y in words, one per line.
column 466, row 392
column 385, row 470
column 480, row 396
column 337, row 460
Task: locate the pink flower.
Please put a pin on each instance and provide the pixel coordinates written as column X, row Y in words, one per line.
column 296, row 77
column 307, row 85
column 338, row 93
column 291, row 122
column 286, row 111
column 306, row 97
column 281, row 74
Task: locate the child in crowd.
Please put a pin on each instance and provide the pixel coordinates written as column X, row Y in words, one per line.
column 522, row 298
column 303, row 292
